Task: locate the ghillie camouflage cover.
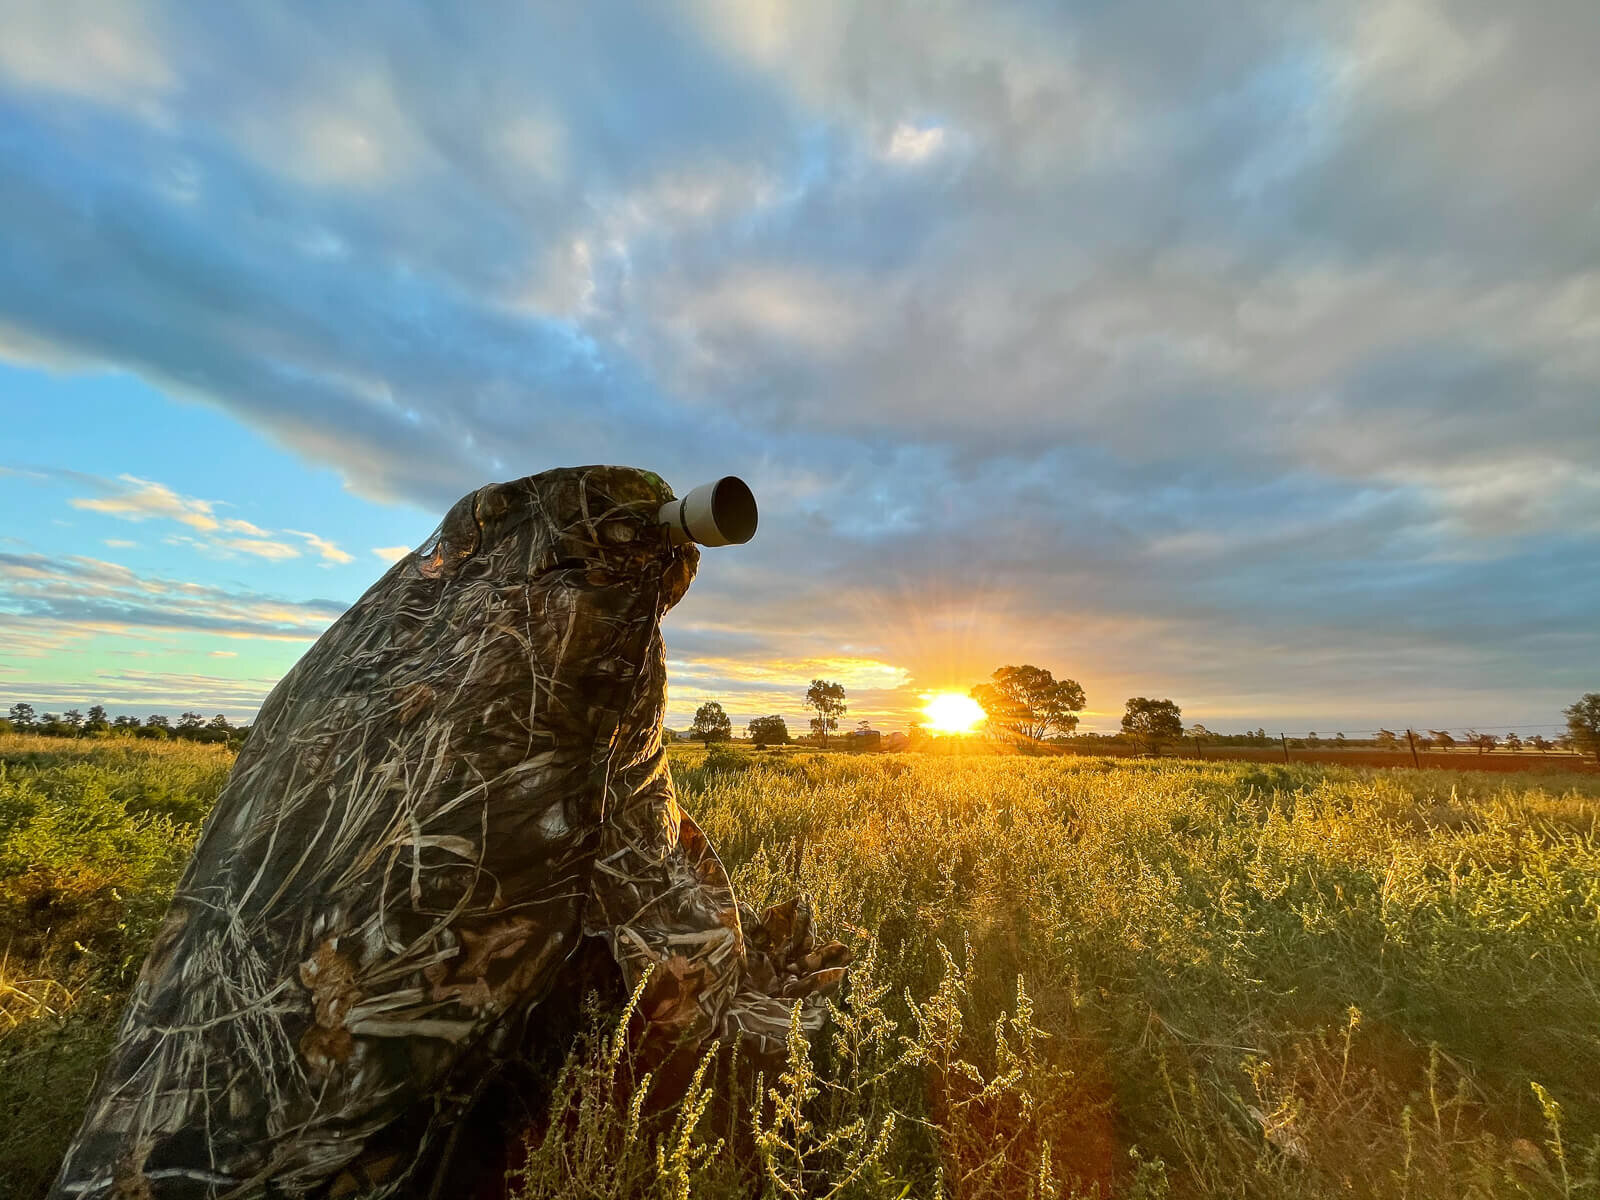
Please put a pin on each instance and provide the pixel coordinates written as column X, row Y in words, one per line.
column 458, row 786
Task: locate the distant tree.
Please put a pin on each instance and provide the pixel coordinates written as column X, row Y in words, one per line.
column 126, row 723
column 1513, row 741
column 22, row 716
column 1442, row 736
column 1583, row 724
column 768, row 731
column 1487, row 742
column 1339, row 737
column 1425, row 743
column 157, row 721
column 1540, row 743
column 1312, row 740
column 1028, row 703
column 72, row 719
column 97, row 719
column 826, row 698
column 1152, row 721
column 216, row 731
column 190, row 724
column 916, row 735
column 711, row 724
column 1387, row 741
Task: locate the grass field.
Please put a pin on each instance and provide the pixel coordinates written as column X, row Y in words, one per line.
column 1075, row 976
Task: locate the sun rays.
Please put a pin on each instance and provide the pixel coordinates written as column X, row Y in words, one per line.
column 952, row 712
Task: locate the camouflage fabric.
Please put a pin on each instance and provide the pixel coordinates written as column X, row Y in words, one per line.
column 459, row 783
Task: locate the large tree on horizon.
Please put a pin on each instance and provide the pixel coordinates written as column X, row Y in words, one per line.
column 769, row 731
column 711, row 723
column 1152, row 721
column 1028, row 703
column 827, row 698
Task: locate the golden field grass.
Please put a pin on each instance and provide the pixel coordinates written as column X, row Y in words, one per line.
column 1074, row 977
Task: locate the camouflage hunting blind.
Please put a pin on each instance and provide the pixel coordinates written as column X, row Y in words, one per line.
column 458, row 789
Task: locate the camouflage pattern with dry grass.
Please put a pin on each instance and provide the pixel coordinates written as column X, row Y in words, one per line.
column 459, row 784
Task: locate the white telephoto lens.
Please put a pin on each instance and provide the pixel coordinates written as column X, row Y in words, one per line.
column 714, row 514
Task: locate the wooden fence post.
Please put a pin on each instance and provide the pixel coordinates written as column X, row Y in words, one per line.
column 1412, row 738
column 1285, row 742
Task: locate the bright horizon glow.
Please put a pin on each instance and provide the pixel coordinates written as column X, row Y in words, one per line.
column 952, row 712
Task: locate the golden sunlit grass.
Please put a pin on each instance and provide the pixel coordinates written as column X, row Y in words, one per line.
column 1075, row 978
column 952, row 712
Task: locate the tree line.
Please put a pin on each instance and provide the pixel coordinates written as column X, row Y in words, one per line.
column 825, row 697
column 96, row 722
column 1027, row 706
column 1023, row 705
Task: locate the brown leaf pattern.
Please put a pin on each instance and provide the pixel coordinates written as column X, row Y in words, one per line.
column 460, row 781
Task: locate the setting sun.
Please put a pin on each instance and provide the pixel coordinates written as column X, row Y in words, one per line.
column 952, row 712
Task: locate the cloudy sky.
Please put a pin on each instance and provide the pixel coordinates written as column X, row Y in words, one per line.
column 1244, row 353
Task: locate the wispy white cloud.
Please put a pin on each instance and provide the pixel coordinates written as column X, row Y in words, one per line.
column 258, row 548
column 130, row 498
column 66, row 597
column 329, row 551
column 911, row 144
column 391, row 554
